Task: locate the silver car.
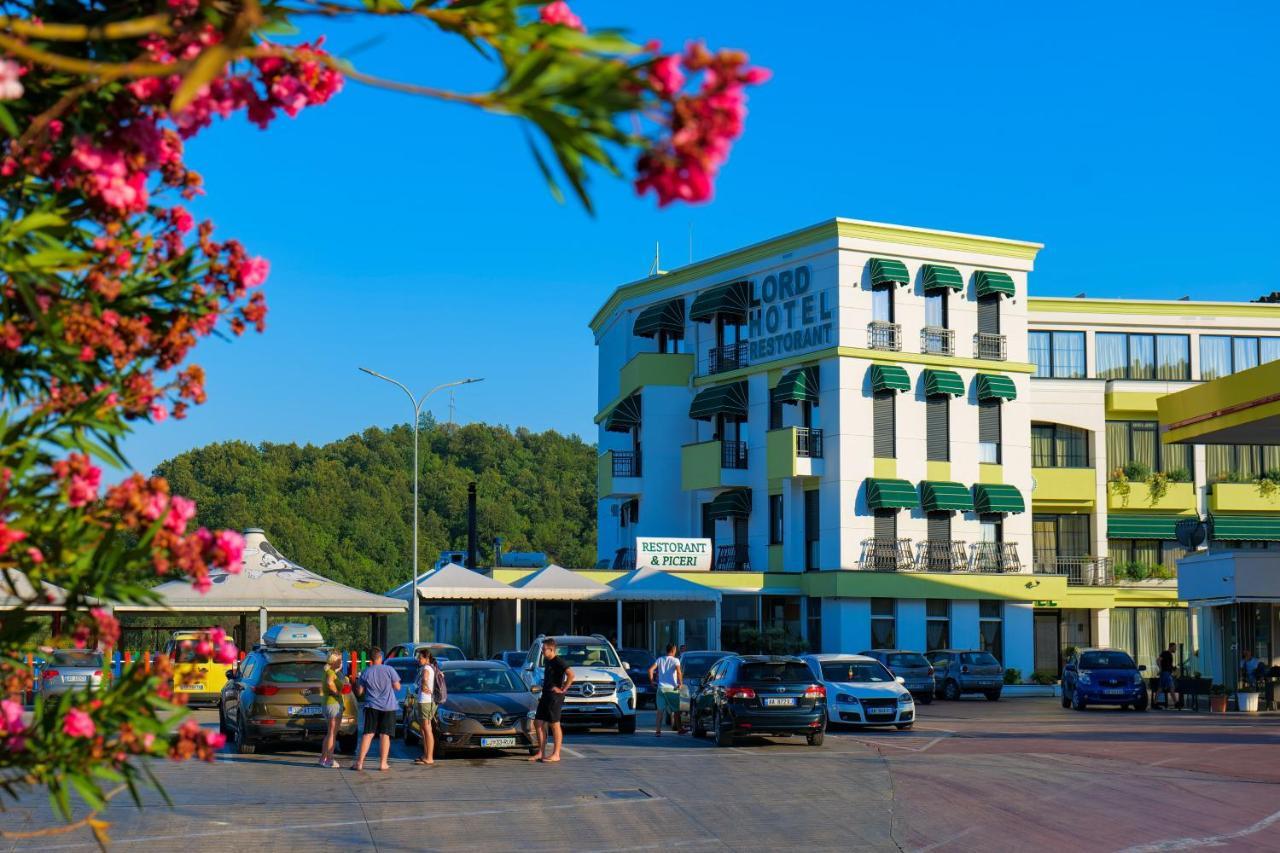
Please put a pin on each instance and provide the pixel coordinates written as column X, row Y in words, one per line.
column 71, row 669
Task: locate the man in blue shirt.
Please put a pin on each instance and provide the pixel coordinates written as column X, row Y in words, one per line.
column 377, row 686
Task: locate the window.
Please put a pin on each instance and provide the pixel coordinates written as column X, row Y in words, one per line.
column 1054, row 536
column 811, row 529
column 1240, row 463
column 937, row 416
column 1222, row 355
column 886, row 524
column 1137, row 559
column 991, row 627
column 1135, row 446
column 629, row 513
column 989, row 431
column 813, row 615
column 884, row 634
column 989, row 315
column 938, row 526
column 1125, row 356
column 1058, row 446
column 937, row 631
column 883, row 424
column 882, row 304
column 1144, row 632
column 935, row 309
column 1058, row 355
column 738, row 613
column 775, row 520
column 775, row 414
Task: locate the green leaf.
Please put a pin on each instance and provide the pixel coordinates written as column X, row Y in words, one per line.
column 547, row 175
column 34, row 222
column 6, row 121
column 206, row 68
column 87, row 790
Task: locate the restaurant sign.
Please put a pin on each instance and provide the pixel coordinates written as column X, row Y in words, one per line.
column 685, row 555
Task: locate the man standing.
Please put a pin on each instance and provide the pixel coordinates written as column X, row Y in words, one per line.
column 556, row 678
column 668, row 677
column 1165, row 684
column 377, row 686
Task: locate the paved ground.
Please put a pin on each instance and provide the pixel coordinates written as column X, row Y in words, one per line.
column 1023, row 774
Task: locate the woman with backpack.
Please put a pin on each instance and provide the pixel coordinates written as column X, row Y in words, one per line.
column 429, row 686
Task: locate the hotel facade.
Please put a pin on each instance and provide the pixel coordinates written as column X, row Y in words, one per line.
column 890, row 443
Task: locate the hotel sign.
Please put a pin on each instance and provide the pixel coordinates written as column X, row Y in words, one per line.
column 791, row 317
column 685, row 555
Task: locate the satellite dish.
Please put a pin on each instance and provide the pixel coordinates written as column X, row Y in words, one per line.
column 1191, row 533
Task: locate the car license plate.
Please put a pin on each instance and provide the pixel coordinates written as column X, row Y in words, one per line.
column 77, row 679
column 1114, row 692
column 786, row 700
column 880, row 712
column 197, row 688
column 304, row 710
column 497, row 741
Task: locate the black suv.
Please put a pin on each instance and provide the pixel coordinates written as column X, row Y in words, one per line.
column 759, row 695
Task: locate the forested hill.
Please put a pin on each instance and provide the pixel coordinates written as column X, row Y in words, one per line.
column 345, row 509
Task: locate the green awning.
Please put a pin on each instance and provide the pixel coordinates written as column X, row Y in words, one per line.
column 1255, row 528
column 734, row 298
column 888, row 271
column 937, row 277
column 938, row 382
column 993, row 386
column 889, row 377
column 1126, row 526
column 797, row 386
column 988, row 283
column 997, row 497
column 664, row 317
column 734, row 502
column 883, row 493
column 624, row 416
column 728, row 400
column 944, row 496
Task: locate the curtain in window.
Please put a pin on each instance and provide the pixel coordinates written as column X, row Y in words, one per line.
column 1270, row 349
column 1044, row 539
column 1215, row 356
column 1248, row 461
column 882, row 304
column 1245, row 353
column 1145, row 441
column 1271, row 457
column 1068, row 355
column 935, row 309
column 1122, row 628
column 1146, row 636
column 991, row 638
column 936, row 635
column 1142, row 357
column 1176, row 631
column 1146, row 552
column 1073, row 447
column 1117, row 444
column 1073, row 536
column 1042, row 447
column 1112, row 358
column 1218, row 461
column 1173, row 357
column 1170, row 553
column 1120, row 551
column 1038, row 349
column 882, row 635
column 1175, row 458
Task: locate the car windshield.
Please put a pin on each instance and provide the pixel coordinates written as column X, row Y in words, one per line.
column 514, row 659
column 295, row 672
column 694, row 666
column 482, row 681
column 587, row 654
column 979, row 659
column 77, row 658
column 1106, row 660
column 447, row 653
column 861, row 672
column 185, row 652
column 907, row 660
column 784, row 671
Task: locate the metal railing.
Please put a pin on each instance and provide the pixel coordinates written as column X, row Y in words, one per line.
column 941, row 555
column 989, row 346
column 727, row 357
column 884, row 336
column 732, row 558
column 935, row 340
column 626, row 463
column 733, row 454
column 1080, row 571
column 809, row 442
column 887, row 555
column 994, row 557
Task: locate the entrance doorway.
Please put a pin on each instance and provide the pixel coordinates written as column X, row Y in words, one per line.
column 1048, row 652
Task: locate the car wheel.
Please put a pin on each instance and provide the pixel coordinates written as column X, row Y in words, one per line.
column 244, row 745
column 1077, row 702
column 222, row 722
column 993, row 695
column 698, row 730
column 926, row 699
column 951, row 691
column 816, row 739
column 723, row 736
column 1141, row 704
column 627, row 725
column 903, row 726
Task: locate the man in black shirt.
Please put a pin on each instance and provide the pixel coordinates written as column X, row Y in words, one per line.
column 1166, row 684
column 556, row 678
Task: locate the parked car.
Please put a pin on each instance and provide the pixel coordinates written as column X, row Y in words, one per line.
column 407, row 669
column 442, row 651
column 694, row 666
column 637, row 662
column 513, row 659
column 602, row 693
column 862, row 692
column 66, row 670
column 195, row 675
column 488, row 707
column 759, row 695
column 957, row 671
column 912, row 667
column 1103, row 677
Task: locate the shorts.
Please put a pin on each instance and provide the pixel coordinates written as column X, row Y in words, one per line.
column 426, row 712
column 332, row 711
column 1166, row 681
column 379, row 722
column 668, row 700
column 549, row 705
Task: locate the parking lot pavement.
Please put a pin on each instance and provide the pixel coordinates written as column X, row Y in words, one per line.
column 1015, row 775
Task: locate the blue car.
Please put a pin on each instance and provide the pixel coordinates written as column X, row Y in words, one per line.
column 1103, row 677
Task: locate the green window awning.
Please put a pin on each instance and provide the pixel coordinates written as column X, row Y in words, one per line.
column 988, row 283
column 625, row 416
column 997, row 497
column 888, row 271
column 1126, row 526
column 1254, row 528
column 733, row 298
column 797, row 386
column 939, row 382
column 731, row 504
column 664, row 317
column 993, row 386
column 944, row 496
column 728, row 400
column 884, row 493
column 938, row 277
column 889, row 377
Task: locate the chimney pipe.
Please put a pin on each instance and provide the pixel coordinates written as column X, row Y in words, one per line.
column 473, row 551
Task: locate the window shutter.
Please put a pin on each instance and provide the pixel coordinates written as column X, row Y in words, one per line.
column 989, row 421
column 883, row 424
column 886, row 524
column 989, row 315
column 938, row 429
column 939, row 527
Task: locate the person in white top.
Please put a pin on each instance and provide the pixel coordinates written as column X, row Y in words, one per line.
column 668, row 677
column 425, row 685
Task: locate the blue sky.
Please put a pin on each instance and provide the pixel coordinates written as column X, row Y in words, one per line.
column 418, row 239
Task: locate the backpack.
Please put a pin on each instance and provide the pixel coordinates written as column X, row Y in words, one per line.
column 439, row 691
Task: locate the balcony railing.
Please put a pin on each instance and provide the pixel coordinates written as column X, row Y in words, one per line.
column 808, row 442
column 884, row 336
column 1080, row 571
column 887, row 555
column 733, row 454
column 732, row 558
column 989, row 346
column 994, row 557
column 936, row 340
column 626, row 463
column 728, row 357
column 939, row 555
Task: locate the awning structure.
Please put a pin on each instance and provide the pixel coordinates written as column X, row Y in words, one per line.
column 798, row 386
column 988, row 283
column 944, row 496
column 889, row 377
column 888, row 271
column 729, row 400
column 453, row 582
column 16, row 588
column 650, row 584
column 733, row 503
column 1252, row 528
column 625, row 416
column 884, row 493
column 734, row 299
column 997, row 497
column 940, row 382
column 664, row 317
column 938, row 277
column 994, row 386
column 1126, row 526
column 555, row 583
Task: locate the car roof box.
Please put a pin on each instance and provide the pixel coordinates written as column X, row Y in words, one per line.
column 293, row 635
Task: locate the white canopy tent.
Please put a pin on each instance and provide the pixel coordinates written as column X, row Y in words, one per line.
column 453, row 582
column 556, row 583
column 654, row 585
column 16, row 588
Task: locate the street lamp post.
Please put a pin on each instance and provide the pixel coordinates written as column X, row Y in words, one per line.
column 417, row 410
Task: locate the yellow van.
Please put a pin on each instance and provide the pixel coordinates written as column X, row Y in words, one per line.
column 195, row 676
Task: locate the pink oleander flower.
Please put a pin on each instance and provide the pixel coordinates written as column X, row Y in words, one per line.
column 254, row 272
column 204, row 649
column 228, row 550
column 9, row 536
column 81, row 476
column 108, row 627
column 77, row 723
column 10, row 80
column 181, row 511
column 158, row 413
column 666, row 74
column 35, row 555
column 11, row 718
column 558, row 13
column 226, row 653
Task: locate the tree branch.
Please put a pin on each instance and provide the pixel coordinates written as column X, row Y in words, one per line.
column 151, row 24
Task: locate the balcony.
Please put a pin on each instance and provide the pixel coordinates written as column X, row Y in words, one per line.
column 1241, row 497
column 887, row 555
column 728, row 357
column 626, row 463
column 732, row 558
column 618, row 474
column 713, row 465
column 1079, row 571
column 994, row 557
column 990, row 347
column 884, row 336
column 793, row 452
column 935, row 340
column 1064, row 489
column 1178, row 497
column 937, row 555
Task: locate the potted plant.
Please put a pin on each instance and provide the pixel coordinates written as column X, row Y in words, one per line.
column 1247, row 700
column 1218, row 699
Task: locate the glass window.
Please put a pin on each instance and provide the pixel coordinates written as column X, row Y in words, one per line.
column 1222, row 355
column 1173, row 357
column 883, row 633
column 937, row 632
column 989, row 608
column 1270, row 349
column 780, row 671
column 1058, row 446
column 1135, row 356
column 813, row 614
column 1039, row 347
column 1136, row 445
column 938, row 607
column 1111, row 352
column 882, row 607
column 855, row 672
column 935, row 309
column 775, row 519
column 1215, row 356
column 1068, row 355
column 1142, row 357
column 882, row 304
column 1240, row 463
column 1244, row 354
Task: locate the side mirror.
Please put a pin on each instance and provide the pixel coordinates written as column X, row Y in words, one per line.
column 1142, row 667
column 626, row 666
column 900, row 680
column 233, row 675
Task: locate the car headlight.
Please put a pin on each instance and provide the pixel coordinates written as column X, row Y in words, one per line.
column 447, row 716
column 846, row 699
column 531, row 715
column 626, row 686
column 1084, row 678
column 905, row 699
column 1137, row 678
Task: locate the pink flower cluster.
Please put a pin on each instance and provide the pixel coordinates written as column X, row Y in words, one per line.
column 558, row 14
column 78, row 723
column 194, row 742
column 12, row 725
column 80, row 477
column 10, row 80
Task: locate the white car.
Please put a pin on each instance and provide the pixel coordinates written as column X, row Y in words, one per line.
column 861, row 692
column 602, row 694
